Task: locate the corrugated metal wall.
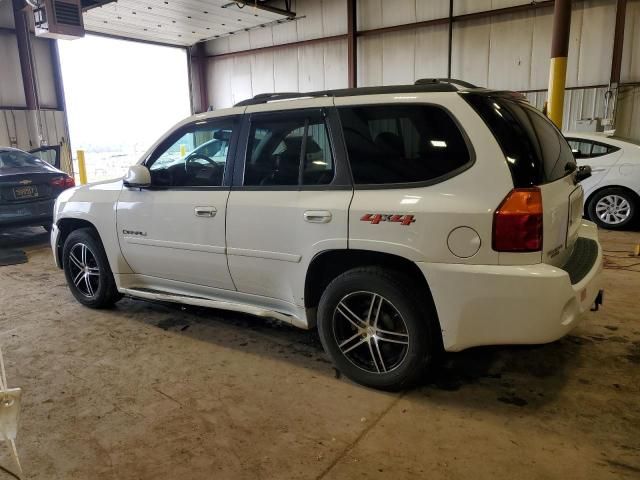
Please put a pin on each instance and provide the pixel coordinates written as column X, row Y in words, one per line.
column 506, row 51
column 14, row 126
column 14, row 130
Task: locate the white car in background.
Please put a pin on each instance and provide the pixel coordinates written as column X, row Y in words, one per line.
column 612, row 192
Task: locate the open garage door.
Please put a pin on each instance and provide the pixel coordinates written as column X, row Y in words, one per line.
column 121, row 96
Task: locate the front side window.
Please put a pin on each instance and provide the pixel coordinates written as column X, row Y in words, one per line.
column 289, row 150
column 402, row 144
column 195, row 156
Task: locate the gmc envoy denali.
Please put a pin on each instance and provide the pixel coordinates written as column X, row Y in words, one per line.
column 400, row 220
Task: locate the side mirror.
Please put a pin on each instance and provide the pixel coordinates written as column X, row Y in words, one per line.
column 583, row 172
column 138, row 176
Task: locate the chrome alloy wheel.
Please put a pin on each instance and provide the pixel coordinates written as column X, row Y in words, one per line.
column 613, row 209
column 370, row 332
column 84, row 270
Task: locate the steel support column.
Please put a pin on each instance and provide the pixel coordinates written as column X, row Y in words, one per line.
column 25, row 54
column 618, row 42
column 57, row 75
column 202, row 76
column 558, row 66
column 23, row 38
column 352, row 42
column 450, row 49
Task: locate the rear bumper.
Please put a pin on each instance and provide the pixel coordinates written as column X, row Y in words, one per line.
column 518, row 304
column 25, row 214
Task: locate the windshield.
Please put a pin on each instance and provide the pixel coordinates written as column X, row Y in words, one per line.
column 18, row 159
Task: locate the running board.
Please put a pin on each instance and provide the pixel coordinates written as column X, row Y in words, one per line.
column 156, row 295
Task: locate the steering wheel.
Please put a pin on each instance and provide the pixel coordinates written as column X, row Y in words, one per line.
column 196, row 156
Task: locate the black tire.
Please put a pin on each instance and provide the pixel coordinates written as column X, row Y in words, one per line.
column 402, row 311
column 612, row 193
column 97, row 277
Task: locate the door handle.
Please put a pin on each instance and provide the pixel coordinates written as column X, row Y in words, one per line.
column 206, row 212
column 317, row 216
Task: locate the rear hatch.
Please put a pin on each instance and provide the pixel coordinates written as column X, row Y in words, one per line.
column 537, row 155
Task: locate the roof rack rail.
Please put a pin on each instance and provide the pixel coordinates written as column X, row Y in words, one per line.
column 424, row 85
column 453, row 81
column 278, row 96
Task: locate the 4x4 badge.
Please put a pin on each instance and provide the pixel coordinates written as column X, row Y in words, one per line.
column 376, row 218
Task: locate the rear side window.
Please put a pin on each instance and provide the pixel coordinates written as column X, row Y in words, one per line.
column 589, row 149
column 535, row 150
column 288, row 149
column 402, row 144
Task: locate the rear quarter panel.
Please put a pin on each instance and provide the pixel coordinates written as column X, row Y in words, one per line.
column 468, row 199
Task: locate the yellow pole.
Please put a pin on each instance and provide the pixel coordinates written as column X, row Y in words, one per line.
column 82, row 168
column 558, row 67
column 557, row 76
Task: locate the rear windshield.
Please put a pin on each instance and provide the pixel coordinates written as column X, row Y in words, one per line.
column 392, row 144
column 535, row 150
column 18, row 159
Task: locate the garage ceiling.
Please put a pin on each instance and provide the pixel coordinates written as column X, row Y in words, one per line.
column 176, row 22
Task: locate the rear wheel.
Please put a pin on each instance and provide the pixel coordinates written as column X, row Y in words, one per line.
column 87, row 270
column 375, row 329
column 612, row 208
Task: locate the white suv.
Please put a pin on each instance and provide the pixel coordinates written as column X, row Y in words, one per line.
column 399, row 220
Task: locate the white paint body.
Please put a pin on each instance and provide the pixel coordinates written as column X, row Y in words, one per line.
column 253, row 255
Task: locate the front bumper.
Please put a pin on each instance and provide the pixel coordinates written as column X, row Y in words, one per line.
column 517, row 304
column 55, row 234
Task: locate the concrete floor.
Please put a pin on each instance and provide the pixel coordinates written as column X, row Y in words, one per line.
column 148, row 391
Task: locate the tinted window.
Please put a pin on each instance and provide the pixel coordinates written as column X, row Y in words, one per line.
column 289, row 149
column 195, row 156
column 535, row 150
column 401, row 144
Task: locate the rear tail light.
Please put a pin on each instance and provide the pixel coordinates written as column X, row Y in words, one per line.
column 63, row 182
column 517, row 223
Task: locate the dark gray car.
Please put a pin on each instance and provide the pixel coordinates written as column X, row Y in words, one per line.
column 29, row 186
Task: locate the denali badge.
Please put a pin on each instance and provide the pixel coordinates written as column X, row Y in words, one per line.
column 376, row 218
column 134, row 232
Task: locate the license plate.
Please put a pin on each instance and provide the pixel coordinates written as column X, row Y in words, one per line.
column 29, row 191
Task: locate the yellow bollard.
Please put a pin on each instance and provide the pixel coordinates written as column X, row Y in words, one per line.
column 183, row 150
column 82, row 168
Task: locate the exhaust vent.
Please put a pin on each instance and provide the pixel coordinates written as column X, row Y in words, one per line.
column 67, row 13
column 61, row 19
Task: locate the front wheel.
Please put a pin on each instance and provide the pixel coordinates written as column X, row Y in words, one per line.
column 376, row 329
column 87, row 270
column 612, row 208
